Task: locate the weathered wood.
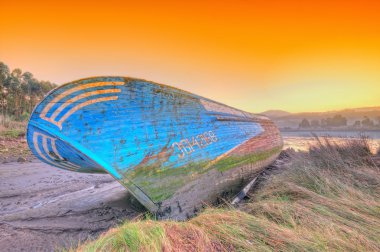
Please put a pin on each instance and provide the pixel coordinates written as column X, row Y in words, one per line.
column 173, row 150
column 243, row 193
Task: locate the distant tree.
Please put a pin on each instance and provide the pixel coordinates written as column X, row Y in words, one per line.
column 367, row 122
column 357, row 124
column 339, row 120
column 19, row 92
column 4, row 75
column 378, row 121
column 16, row 91
column 314, row 123
column 304, row 124
column 323, row 123
column 28, row 83
column 336, row 121
column 4, row 84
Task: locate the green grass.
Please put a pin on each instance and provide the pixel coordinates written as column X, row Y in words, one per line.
column 12, row 129
column 325, row 200
column 12, row 141
column 133, row 236
column 12, row 133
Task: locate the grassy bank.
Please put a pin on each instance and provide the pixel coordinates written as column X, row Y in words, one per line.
column 323, row 200
column 13, row 146
column 12, row 129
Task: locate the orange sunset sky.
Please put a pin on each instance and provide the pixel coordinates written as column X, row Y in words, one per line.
column 254, row 55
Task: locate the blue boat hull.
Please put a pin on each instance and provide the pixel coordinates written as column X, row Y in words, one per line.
column 171, row 149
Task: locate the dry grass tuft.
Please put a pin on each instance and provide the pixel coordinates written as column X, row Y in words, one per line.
column 12, row 129
column 324, row 200
column 12, row 141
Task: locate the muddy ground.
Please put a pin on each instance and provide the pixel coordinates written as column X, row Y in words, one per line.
column 43, row 208
column 13, row 149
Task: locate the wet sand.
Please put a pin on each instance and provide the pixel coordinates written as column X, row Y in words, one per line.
column 43, row 208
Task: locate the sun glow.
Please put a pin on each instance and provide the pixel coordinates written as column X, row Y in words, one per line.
column 256, row 55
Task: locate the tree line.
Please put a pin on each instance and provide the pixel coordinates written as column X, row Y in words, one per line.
column 339, row 121
column 20, row 92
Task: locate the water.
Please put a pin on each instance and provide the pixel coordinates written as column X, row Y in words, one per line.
column 339, row 134
column 302, row 140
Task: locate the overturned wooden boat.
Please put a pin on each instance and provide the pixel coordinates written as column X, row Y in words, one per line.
column 173, row 150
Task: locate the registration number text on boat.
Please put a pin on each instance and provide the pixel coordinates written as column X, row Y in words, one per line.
column 189, row 145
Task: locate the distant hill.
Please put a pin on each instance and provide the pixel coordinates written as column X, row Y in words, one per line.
column 275, row 113
column 286, row 119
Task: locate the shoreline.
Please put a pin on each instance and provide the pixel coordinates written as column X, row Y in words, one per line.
column 330, row 130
